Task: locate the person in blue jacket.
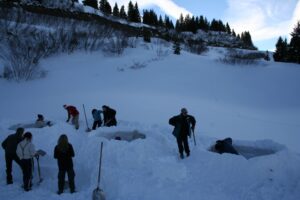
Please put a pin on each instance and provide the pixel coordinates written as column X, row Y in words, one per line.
column 97, row 118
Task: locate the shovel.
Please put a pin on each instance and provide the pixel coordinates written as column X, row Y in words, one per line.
column 98, row 193
column 87, row 125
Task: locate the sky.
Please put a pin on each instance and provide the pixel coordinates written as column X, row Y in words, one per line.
column 265, row 19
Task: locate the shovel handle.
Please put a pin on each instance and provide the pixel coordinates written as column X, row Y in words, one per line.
column 100, row 164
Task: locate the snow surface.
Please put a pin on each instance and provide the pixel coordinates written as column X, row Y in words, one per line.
column 258, row 106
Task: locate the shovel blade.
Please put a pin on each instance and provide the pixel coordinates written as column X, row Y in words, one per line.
column 98, row 194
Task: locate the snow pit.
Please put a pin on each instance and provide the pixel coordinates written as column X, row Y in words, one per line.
column 124, row 135
column 251, row 152
column 254, row 149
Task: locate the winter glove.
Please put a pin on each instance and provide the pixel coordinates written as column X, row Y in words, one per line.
column 67, row 120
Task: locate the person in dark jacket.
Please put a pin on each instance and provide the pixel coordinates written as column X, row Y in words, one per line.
column 64, row 153
column 10, row 146
column 225, row 146
column 97, row 118
column 183, row 124
column 72, row 112
column 109, row 116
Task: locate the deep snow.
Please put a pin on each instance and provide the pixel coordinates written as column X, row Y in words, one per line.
column 258, row 106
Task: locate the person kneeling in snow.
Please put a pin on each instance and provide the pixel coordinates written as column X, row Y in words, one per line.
column 225, row 146
column 64, row 153
column 72, row 111
column 40, row 122
column 26, row 152
column 183, row 124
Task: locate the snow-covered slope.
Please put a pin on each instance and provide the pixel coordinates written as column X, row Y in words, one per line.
column 258, row 106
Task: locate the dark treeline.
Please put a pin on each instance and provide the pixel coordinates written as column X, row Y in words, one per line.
column 289, row 52
column 187, row 23
column 149, row 17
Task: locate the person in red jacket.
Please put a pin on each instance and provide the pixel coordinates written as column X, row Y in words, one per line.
column 72, row 112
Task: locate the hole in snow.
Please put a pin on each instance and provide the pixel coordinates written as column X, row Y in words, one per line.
column 250, row 149
column 125, row 135
column 251, row 152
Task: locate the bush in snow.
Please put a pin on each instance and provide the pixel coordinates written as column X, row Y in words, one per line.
column 196, row 46
column 235, row 57
column 116, row 44
column 161, row 48
column 138, row 65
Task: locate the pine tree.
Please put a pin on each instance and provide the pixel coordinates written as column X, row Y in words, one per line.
column 105, row 7
column 228, row 29
column 150, row 18
column 108, row 10
column 214, row 26
column 294, row 47
column 233, row 33
column 180, row 24
column 123, row 14
column 246, row 38
column 168, row 23
column 137, row 16
column 102, row 5
column 161, row 23
column 116, row 12
column 281, row 51
column 130, row 12
column 91, row 3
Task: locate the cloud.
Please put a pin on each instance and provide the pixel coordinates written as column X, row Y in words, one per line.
column 264, row 19
column 168, row 6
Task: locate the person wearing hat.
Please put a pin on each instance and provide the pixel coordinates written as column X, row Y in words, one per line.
column 26, row 152
column 72, row 112
column 10, row 146
column 183, row 124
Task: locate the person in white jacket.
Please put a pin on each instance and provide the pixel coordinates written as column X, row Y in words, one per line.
column 26, row 151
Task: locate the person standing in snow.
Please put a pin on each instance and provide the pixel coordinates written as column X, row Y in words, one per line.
column 97, row 118
column 183, row 125
column 26, row 152
column 10, row 146
column 64, row 153
column 73, row 112
column 109, row 116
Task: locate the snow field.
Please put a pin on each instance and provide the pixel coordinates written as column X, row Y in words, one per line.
column 258, row 106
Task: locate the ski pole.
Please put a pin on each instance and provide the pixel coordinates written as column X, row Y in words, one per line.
column 88, row 129
column 194, row 136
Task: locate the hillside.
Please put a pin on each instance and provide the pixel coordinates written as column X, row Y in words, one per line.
column 257, row 105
